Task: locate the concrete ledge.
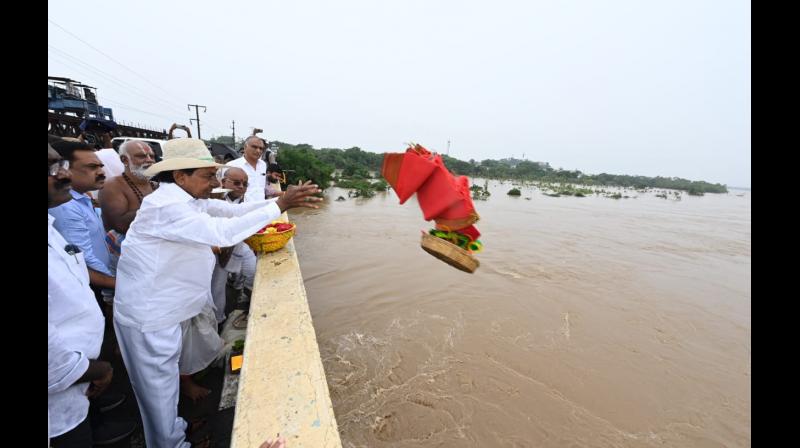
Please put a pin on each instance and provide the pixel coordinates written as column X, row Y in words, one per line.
column 282, row 386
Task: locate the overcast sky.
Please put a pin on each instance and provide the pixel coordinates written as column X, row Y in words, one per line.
column 625, row 87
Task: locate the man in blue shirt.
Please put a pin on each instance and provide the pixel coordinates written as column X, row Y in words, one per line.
column 77, row 219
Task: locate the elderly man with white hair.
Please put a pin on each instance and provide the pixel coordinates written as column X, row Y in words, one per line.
column 164, row 274
column 122, row 196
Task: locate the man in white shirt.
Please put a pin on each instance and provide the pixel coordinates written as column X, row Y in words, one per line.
column 164, row 273
column 74, row 329
column 254, row 167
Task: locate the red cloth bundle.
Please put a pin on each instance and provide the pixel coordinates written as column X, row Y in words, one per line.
column 441, row 196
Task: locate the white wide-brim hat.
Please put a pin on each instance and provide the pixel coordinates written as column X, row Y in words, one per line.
column 183, row 154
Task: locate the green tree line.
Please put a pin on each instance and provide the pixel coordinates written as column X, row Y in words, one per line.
column 355, row 163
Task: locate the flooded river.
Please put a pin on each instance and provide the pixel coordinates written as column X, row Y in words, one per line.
column 590, row 322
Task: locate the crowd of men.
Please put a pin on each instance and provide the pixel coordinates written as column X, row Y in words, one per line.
column 139, row 250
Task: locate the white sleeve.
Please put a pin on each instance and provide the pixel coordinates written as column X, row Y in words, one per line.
column 64, row 366
column 219, row 207
column 183, row 223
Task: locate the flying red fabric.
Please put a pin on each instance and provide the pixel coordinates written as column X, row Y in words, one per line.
column 442, row 197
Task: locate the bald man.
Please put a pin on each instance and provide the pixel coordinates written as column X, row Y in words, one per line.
column 238, row 259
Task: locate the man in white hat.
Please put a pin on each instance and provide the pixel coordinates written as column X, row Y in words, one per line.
column 164, row 273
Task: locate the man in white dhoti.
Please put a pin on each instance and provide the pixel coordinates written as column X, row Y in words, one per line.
column 164, row 273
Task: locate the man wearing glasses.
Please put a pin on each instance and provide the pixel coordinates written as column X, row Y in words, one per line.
column 77, row 219
column 74, row 332
column 163, row 275
column 239, row 259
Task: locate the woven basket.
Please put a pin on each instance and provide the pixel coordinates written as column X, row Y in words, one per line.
column 270, row 242
column 449, row 253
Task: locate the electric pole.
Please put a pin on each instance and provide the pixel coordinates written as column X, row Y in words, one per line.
column 197, row 114
column 233, row 126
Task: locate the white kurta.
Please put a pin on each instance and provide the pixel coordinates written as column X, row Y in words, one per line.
column 164, row 272
column 74, row 333
column 242, row 261
column 163, row 279
column 218, row 291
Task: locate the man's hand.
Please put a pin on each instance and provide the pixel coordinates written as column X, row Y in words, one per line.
column 98, row 386
column 299, row 195
column 178, row 126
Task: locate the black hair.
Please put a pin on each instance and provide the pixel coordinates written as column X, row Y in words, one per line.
column 274, row 168
column 66, row 149
column 166, row 176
